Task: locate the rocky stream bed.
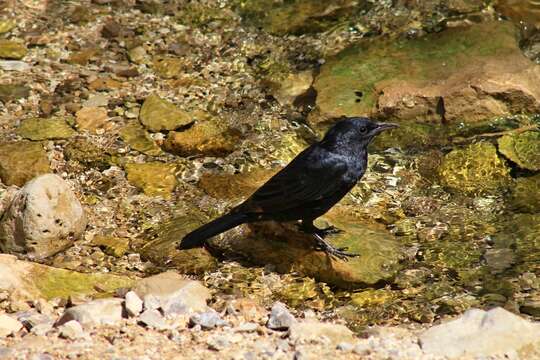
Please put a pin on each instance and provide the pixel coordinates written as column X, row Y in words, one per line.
column 125, row 124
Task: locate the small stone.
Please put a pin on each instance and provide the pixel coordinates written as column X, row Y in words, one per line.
column 42, row 329
column 362, row 348
column 151, row 302
column 345, row 346
column 247, row 327
column 153, row 318
column 93, row 119
column 45, row 129
column 6, row 26
column 173, row 292
column 280, row 317
column 12, row 50
column 154, row 178
column 309, row 331
column 138, row 139
column 96, row 101
column 44, row 218
column 72, row 330
column 9, row 325
column 531, row 308
column 218, row 342
column 96, row 312
column 158, row 114
column 168, row 67
column 14, row 65
column 133, row 304
column 479, row 333
column 138, row 55
column 21, row 161
column 207, row 320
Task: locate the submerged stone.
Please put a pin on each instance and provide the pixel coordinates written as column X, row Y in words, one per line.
column 158, row 114
column 87, row 153
column 168, row 67
column 10, row 92
column 12, row 50
column 461, row 74
column 45, row 129
column 7, row 26
column 523, row 149
column 208, row 137
column 111, row 245
column 475, row 169
column 154, row 178
column 138, row 139
column 21, row 161
column 525, row 195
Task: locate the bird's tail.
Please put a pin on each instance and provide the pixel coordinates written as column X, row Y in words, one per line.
column 197, row 237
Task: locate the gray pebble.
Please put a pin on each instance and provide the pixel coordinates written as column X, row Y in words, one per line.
column 280, row 317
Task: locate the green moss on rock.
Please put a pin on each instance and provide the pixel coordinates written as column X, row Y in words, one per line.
column 523, row 149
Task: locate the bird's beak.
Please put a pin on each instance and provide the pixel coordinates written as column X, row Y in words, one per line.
column 384, row 126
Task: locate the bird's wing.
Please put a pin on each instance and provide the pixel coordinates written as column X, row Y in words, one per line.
column 311, row 176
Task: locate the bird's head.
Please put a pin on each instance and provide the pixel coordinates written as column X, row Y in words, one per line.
column 359, row 130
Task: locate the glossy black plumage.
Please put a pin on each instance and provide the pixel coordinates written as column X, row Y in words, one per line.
column 307, row 187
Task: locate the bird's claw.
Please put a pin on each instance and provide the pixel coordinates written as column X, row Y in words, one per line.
column 339, row 253
column 330, row 230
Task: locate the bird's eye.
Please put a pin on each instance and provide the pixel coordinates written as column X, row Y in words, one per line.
column 363, row 129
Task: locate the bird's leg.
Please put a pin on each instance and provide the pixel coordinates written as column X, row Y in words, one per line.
column 332, row 251
column 308, row 227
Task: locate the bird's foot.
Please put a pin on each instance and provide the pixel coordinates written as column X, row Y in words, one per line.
column 339, row 253
column 330, row 230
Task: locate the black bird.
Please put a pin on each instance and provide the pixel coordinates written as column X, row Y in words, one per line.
column 307, row 188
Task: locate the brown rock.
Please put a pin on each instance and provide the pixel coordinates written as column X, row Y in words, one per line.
column 93, row 119
column 21, row 161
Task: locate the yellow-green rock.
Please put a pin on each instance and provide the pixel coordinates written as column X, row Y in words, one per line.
column 168, row 67
column 138, row 55
column 9, row 92
column 158, row 114
column 87, row 153
column 6, row 26
column 138, row 139
column 21, row 161
column 525, row 196
column 154, row 178
column 475, row 169
column 44, row 129
column 372, row 297
column 32, row 281
column 523, row 149
column 12, row 50
column 208, row 137
column 111, row 245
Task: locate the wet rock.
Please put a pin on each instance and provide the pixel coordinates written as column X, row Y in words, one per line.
column 523, row 149
column 154, row 319
column 499, row 260
column 45, row 129
column 111, row 245
column 163, row 249
column 44, row 218
column 138, row 55
column 31, row 281
column 520, row 12
column 461, row 74
column 6, row 26
column 96, row 312
column 174, row 293
column 88, row 154
column 207, row 137
column 9, row 325
column 12, row 50
column 169, row 67
column 138, row 139
column 308, row 331
column 71, row 330
column 475, row 169
column 280, row 317
column 525, row 196
column 10, row 92
column 158, row 114
column 299, row 16
column 21, row 161
column 93, row 119
column 84, row 56
column 291, row 87
column 283, row 246
column 134, row 304
column 207, row 320
column 531, row 307
column 154, row 178
column 13, row 65
column 478, row 333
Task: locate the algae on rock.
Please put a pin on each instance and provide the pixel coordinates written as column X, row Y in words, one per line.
column 45, row 129
column 154, row 178
column 158, row 114
column 475, row 169
column 523, row 149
